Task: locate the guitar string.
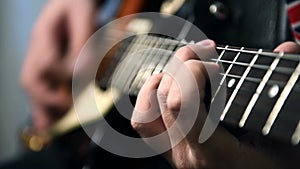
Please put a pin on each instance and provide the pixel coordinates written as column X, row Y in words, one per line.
column 258, row 66
column 279, row 69
column 126, row 62
column 144, row 59
column 182, row 35
column 136, row 69
column 130, row 47
column 146, row 68
column 283, row 70
column 134, row 80
column 134, row 61
column 136, row 77
column 118, row 57
column 159, row 57
column 287, row 56
column 249, row 78
column 163, row 59
column 291, row 57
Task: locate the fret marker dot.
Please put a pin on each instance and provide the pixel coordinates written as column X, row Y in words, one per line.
column 273, row 91
column 231, row 83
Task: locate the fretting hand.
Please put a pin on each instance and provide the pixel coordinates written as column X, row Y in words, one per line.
column 222, row 149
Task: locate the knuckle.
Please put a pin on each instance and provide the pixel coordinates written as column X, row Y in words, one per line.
column 197, row 67
column 194, row 64
column 163, row 92
column 185, row 53
column 150, row 85
column 174, row 102
column 137, row 126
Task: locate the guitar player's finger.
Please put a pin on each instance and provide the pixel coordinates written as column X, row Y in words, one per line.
column 202, row 49
column 44, row 86
column 41, row 120
column 81, row 27
column 188, row 83
column 186, row 96
column 146, row 119
column 43, row 116
column 205, row 50
column 182, row 54
column 288, row 47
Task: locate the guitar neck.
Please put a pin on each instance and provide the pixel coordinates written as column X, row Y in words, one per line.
column 262, row 91
column 262, row 87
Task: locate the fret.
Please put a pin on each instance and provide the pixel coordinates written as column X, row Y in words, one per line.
column 230, row 67
column 255, row 96
column 254, row 105
column 295, row 139
column 134, row 45
column 114, row 60
column 221, row 83
column 156, row 65
column 160, row 66
column 120, row 76
column 129, row 45
column 268, row 74
column 144, row 58
column 144, row 68
column 280, row 102
column 229, row 102
column 222, row 54
column 148, row 69
column 165, row 58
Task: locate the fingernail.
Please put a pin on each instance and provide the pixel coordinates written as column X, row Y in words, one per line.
column 206, row 42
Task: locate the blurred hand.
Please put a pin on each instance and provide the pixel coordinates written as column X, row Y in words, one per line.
column 58, row 35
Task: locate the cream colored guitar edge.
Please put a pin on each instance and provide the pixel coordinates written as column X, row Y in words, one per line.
column 104, row 101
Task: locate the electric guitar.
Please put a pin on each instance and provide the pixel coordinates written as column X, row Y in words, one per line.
column 262, row 87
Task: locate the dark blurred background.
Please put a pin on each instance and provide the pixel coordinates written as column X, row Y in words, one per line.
column 16, row 20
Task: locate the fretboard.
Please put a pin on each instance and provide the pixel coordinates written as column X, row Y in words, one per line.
column 262, row 87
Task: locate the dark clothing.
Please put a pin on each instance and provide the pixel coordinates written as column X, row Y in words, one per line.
column 254, row 24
